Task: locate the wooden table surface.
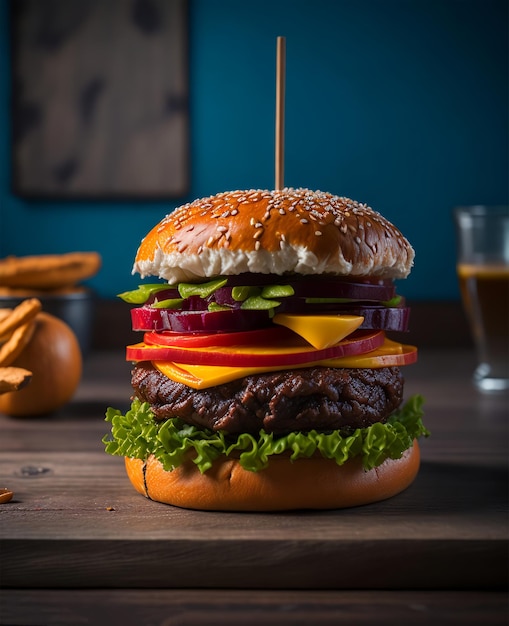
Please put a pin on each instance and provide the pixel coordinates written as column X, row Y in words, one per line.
column 79, row 545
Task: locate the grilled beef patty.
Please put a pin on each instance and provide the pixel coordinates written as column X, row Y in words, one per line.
column 320, row 398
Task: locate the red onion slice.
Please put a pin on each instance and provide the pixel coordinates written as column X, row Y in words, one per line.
column 147, row 318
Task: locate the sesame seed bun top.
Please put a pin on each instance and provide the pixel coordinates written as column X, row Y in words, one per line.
column 294, row 231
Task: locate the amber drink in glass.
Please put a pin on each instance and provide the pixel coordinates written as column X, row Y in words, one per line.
column 483, row 273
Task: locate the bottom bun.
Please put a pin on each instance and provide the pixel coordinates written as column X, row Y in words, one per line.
column 314, row 483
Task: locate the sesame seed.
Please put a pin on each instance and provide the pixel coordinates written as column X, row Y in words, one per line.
column 304, row 221
column 282, row 211
column 258, row 234
column 234, row 212
column 222, row 229
column 258, row 225
column 318, row 233
column 257, row 245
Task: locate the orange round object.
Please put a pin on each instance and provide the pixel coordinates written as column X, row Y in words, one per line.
column 54, row 357
column 313, row 483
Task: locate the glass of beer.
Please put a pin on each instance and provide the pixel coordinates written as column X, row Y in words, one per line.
column 483, row 272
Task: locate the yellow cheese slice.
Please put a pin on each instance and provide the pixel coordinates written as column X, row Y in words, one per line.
column 204, row 376
column 321, row 331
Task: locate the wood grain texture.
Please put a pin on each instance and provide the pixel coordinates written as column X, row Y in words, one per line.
column 250, row 608
column 75, row 521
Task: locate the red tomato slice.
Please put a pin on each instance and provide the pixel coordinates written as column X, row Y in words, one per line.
column 290, row 351
column 390, row 354
column 202, row 340
column 407, row 357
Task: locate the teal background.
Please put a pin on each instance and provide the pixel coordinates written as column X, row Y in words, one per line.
column 402, row 104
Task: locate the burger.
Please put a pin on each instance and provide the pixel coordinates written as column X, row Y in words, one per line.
column 265, row 379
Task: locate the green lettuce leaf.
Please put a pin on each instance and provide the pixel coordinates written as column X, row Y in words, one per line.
column 136, row 434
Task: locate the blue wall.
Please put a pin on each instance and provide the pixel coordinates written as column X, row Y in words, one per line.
column 398, row 103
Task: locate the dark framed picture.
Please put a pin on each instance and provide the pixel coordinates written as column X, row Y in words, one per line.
column 100, row 98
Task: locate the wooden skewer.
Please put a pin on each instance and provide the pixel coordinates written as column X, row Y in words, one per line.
column 280, row 110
